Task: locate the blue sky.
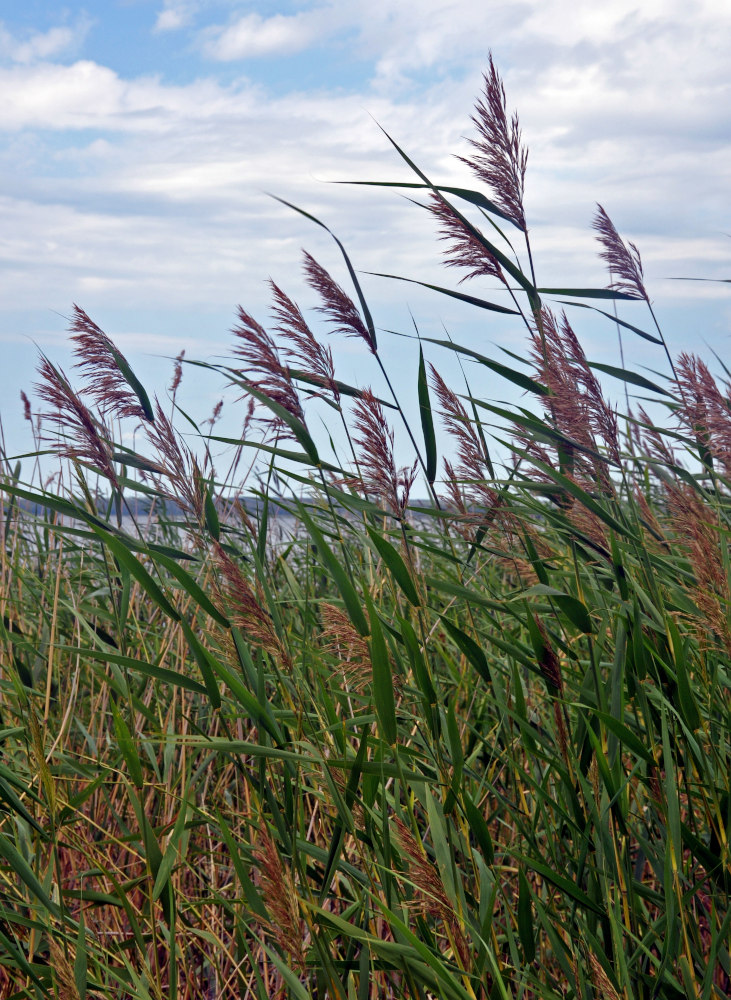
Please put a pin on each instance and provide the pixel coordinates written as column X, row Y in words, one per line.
column 137, row 139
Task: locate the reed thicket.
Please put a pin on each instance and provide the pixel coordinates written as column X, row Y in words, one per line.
column 465, row 747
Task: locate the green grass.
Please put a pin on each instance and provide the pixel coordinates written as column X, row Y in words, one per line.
column 476, row 750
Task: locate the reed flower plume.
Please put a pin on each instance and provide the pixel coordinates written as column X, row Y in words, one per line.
column 245, row 608
column 337, row 305
column 263, row 365
column 301, row 345
column 279, row 893
column 600, row 980
column 177, row 375
column 432, row 897
column 652, row 440
column 27, row 414
column 467, row 481
column 350, row 649
column 501, row 158
column 575, row 403
column 550, row 668
column 106, row 369
column 602, row 418
column 464, row 248
column 697, row 530
column 705, row 409
column 548, row 661
column 215, row 414
column 84, row 438
column 460, row 426
column 378, row 473
column 180, row 477
column 623, row 259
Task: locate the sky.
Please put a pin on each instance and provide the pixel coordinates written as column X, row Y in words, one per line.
column 140, row 140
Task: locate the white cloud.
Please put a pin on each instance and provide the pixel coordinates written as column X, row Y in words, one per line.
column 174, row 15
column 253, row 36
column 43, row 44
column 87, row 95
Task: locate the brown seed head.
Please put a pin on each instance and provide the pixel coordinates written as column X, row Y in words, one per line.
column 652, row 440
column 301, row 345
column 600, row 980
column 181, row 479
column 704, row 409
column 245, row 608
column 467, row 482
column 80, row 436
column 464, row 248
column 279, row 893
column 263, row 365
column 26, row 407
column 374, row 439
column 339, row 308
column 348, row 646
column 177, row 374
column 549, row 662
column 624, row 262
column 426, row 878
column 432, row 897
column 101, row 362
column 575, row 404
column 501, row 158
column 697, row 530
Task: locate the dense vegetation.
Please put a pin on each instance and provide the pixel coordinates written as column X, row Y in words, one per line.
column 465, row 748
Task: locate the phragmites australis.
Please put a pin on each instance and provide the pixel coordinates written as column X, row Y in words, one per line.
column 106, row 369
column 177, row 465
column 337, row 305
column 501, row 158
column 623, row 260
column 466, row 482
column 698, row 532
column 27, row 415
column 245, row 608
column 300, row 344
column 464, row 247
column 264, row 367
column 84, row 437
column 575, row 402
column 348, row 646
column 279, row 893
column 652, row 439
column 177, row 375
column 704, row 409
column 431, row 896
column 377, row 467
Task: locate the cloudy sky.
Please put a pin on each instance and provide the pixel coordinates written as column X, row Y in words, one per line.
column 139, row 139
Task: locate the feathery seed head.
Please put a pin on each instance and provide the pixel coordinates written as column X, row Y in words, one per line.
column 26, row 406
column 465, row 249
column 704, row 408
column 501, row 158
column 301, row 345
column 378, row 471
column 548, row 661
column 82, row 437
column 102, row 363
column 337, row 305
column 263, row 364
column 624, row 262
column 246, row 610
column 177, row 374
column 279, row 893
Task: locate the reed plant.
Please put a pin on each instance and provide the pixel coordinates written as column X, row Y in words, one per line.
column 474, row 745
